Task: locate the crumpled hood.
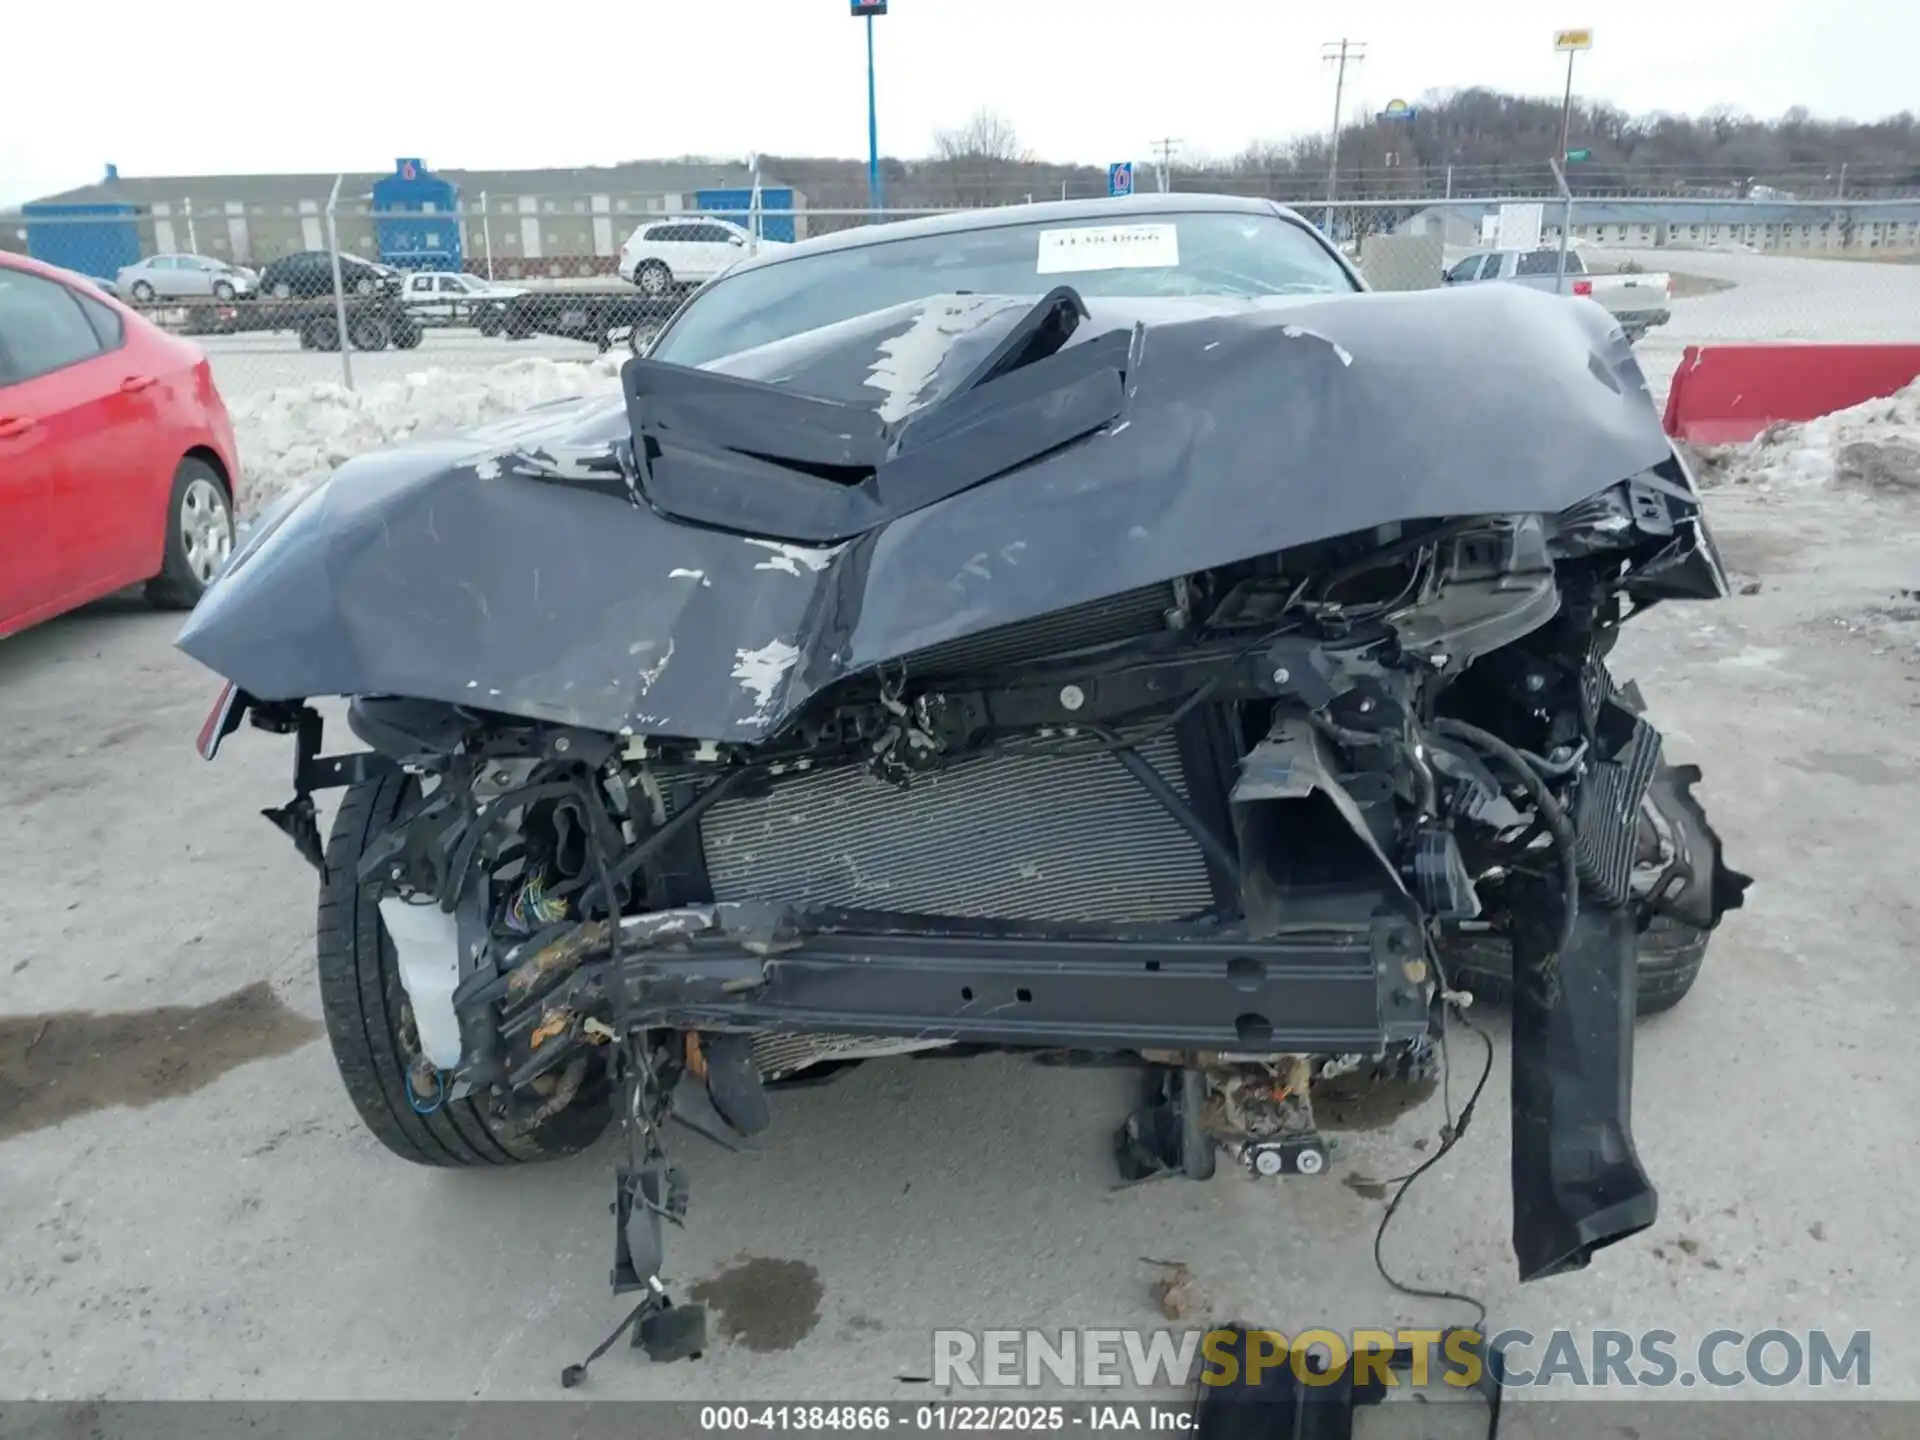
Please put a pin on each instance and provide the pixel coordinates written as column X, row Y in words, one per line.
column 443, row 571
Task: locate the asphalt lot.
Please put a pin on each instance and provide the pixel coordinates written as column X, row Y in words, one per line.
column 1774, row 297
column 246, row 365
column 193, row 1211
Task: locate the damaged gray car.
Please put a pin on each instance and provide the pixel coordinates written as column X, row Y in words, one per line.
column 1084, row 629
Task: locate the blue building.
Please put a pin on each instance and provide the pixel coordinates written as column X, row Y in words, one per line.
column 416, row 218
column 96, row 232
column 736, row 204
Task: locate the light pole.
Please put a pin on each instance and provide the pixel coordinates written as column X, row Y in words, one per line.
column 867, row 10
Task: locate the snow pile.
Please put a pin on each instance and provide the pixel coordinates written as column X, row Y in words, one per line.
column 1872, row 446
column 302, row 432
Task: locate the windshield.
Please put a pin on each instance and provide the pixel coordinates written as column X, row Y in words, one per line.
column 1203, row 253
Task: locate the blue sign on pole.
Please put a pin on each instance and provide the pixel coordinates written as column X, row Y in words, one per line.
column 1120, row 178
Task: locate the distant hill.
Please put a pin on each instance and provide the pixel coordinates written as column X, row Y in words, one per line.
column 1494, row 143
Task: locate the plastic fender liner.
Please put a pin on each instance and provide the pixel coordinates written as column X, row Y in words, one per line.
column 1577, row 1181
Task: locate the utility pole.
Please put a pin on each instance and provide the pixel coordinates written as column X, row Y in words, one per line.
column 1164, row 171
column 1338, row 53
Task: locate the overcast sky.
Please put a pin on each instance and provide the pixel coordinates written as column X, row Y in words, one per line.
column 221, row 86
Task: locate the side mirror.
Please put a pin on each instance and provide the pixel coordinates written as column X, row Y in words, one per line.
column 736, row 242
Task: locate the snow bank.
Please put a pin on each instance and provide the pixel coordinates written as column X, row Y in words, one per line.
column 1874, row 445
column 301, row 432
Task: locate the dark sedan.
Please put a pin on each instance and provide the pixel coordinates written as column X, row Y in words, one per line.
column 310, row 272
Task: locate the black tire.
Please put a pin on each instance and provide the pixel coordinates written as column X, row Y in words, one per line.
column 181, row 581
column 222, row 290
column 1673, row 944
column 1671, row 953
column 365, row 1009
column 369, row 332
column 142, row 292
column 408, row 337
column 653, row 278
column 488, row 323
column 320, row 335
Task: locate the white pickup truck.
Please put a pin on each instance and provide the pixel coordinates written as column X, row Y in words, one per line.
column 1638, row 300
column 449, row 297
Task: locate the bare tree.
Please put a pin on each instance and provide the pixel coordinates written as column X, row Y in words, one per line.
column 980, row 163
column 987, row 135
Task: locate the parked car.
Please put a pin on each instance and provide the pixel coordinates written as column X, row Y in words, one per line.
column 451, row 297
column 309, row 273
column 1639, row 301
column 185, row 277
column 1093, row 626
column 104, row 286
column 667, row 254
column 117, row 461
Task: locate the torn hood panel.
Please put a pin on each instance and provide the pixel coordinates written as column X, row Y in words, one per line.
column 443, row 571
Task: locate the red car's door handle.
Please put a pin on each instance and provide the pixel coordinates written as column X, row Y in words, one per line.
column 136, row 382
column 10, row 427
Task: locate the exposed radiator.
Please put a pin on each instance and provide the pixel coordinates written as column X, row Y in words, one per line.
column 1027, row 837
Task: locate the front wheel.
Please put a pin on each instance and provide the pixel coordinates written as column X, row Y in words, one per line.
column 223, row 290
column 370, row 1025
column 199, row 537
column 143, row 292
column 1676, row 844
column 369, row 332
column 654, row 279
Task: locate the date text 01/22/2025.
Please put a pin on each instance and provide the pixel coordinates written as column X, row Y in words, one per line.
column 957, row 1417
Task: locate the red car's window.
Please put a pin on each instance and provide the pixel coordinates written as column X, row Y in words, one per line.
column 42, row 327
column 104, row 319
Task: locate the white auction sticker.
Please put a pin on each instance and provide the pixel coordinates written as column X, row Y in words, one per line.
column 1108, row 247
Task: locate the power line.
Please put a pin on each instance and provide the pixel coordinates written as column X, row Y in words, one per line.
column 1338, row 53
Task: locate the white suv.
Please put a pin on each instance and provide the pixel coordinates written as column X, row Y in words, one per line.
column 664, row 255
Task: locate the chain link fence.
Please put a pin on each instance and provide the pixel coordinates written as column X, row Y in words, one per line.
column 324, row 288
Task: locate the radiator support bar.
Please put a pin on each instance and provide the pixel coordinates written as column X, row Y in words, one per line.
column 1326, row 986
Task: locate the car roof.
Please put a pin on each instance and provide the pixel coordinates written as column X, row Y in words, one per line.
column 13, row 261
column 1118, row 208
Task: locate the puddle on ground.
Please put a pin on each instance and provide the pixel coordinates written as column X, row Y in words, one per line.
column 70, row 1062
column 1363, row 1104
column 764, row 1304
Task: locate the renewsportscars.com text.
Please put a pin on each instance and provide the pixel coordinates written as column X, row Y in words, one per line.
column 1599, row 1359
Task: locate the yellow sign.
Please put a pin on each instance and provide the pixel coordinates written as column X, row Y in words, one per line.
column 1573, row 39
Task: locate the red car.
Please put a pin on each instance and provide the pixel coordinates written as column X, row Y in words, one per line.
column 117, row 461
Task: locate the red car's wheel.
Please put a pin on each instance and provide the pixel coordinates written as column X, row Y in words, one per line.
column 199, row 536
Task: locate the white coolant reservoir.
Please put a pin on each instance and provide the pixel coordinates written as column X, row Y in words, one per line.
column 426, row 941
